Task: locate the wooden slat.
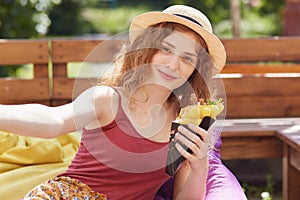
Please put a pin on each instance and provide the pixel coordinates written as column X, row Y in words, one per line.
column 18, row 90
column 63, row 88
column 262, row 49
column 65, row 51
column 295, row 159
column 41, row 70
column 251, row 148
column 238, row 50
column 290, row 173
column 60, row 70
column 260, row 107
column 294, row 182
column 262, row 86
column 260, row 68
column 285, row 171
column 258, row 127
column 291, row 136
column 68, row 88
column 245, row 133
column 252, row 97
column 14, row 52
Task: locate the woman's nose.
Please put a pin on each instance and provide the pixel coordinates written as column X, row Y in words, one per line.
column 173, row 61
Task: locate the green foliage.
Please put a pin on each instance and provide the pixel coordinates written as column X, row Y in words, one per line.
column 266, row 17
column 111, row 22
column 270, row 7
column 215, row 10
column 16, row 20
column 258, row 190
column 147, row 4
column 35, row 18
column 263, row 19
column 66, row 19
column 32, row 18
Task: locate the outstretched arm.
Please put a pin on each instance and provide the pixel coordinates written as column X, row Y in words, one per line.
column 42, row 121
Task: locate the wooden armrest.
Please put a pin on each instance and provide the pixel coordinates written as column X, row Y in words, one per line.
column 291, row 136
column 260, row 127
column 255, row 138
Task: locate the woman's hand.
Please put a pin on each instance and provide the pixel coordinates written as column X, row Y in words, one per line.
column 190, row 180
column 196, row 139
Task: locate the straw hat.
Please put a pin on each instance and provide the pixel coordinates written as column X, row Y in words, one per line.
column 190, row 17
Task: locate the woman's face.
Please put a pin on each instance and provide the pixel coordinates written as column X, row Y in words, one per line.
column 175, row 60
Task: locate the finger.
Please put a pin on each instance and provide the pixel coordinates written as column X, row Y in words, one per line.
column 203, row 152
column 196, row 152
column 199, row 147
column 189, row 134
column 199, row 131
column 183, row 151
column 194, row 147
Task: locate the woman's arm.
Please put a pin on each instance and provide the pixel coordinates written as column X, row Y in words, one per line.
column 190, row 180
column 34, row 119
column 42, row 121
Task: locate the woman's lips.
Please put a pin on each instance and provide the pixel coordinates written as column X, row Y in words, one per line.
column 166, row 75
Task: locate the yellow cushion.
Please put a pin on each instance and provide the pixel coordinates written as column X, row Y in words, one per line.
column 25, row 161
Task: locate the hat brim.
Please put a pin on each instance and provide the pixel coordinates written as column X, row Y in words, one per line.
column 215, row 47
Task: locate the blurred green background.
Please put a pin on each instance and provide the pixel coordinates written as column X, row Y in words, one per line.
column 52, row 18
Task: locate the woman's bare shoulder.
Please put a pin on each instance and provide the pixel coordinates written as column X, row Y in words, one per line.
column 106, row 103
column 106, row 95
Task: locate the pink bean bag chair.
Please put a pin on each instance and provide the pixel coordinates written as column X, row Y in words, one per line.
column 221, row 183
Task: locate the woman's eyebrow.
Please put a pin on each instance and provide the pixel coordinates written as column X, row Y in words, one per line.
column 191, row 54
column 169, row 44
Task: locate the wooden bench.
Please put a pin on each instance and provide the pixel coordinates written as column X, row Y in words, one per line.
column 19, row 52
column 262, row 82
column 291, row 160
column 66, row 52
column 261, row 79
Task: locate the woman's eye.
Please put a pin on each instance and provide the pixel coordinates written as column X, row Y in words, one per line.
column 166, row 49
column 188, row 59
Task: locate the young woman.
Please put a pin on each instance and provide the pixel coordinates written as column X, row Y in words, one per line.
column 126, row 119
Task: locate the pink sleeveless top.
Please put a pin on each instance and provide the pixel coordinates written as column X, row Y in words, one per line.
column 118, row 162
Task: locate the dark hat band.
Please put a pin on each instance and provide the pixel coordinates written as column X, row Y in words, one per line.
column 188, row 18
